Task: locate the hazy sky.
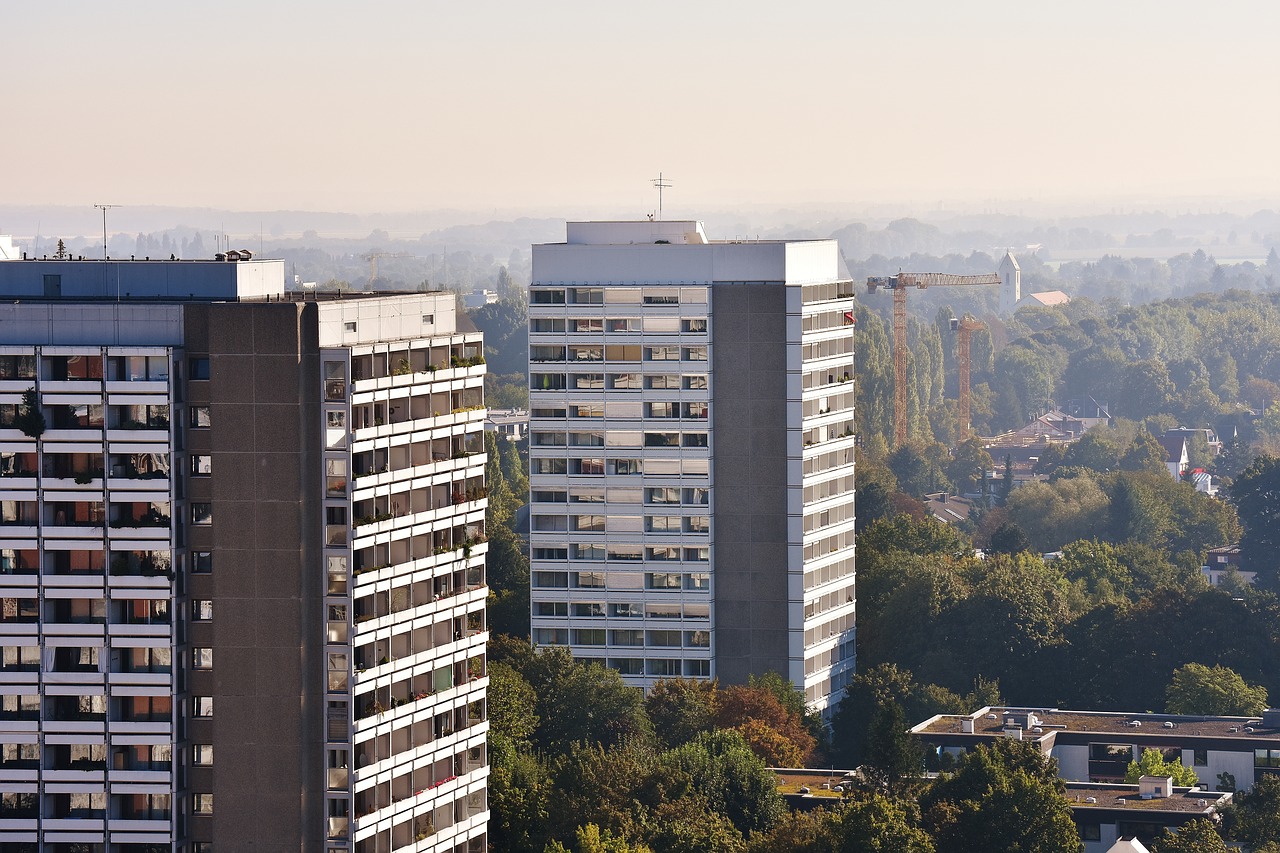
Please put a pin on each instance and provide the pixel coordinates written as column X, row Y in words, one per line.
column 414, row 104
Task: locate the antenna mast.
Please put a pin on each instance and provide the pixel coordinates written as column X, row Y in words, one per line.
column 104, row 208
column 661, row 185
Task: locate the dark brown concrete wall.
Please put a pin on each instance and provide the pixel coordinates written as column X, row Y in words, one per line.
column 749, row 476
column 267, row 627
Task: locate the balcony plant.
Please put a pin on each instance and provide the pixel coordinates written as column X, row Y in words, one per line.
column 30, row 419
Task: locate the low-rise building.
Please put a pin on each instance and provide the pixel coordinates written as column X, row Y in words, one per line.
column 1227, row 753
column 1107, row 814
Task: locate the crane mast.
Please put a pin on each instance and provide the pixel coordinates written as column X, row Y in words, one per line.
column 899, row 284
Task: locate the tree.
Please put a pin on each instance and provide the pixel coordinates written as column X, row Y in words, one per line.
column 969, row 465
column 583, row 702
column 1152, row 763
column 735, row 781
column 1218, row 691
column 740, row 704
column 1144, row 454
column 1002, row 796
column 894, row 758
column 879, row 824
column 1254, row 816
column 511, row 704
column 1198, row 836
column 681, row 709
column 592, row 839
column 1256, row 496
column 1008, row 538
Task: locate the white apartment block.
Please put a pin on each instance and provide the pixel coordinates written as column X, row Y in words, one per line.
column 241, row 567
column 692, row 455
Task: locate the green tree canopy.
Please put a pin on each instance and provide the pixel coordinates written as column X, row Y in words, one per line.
column 1005, row 796
column 1198, row 836
column 1256, row 496
column 1152, row 763
column 1216, row 690
column 1254, row 816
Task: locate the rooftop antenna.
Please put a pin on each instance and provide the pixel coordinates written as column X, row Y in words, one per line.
column 661, row 185
column 104, row 208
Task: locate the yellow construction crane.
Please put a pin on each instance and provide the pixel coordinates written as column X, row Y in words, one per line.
column 899, row 284
column 372, row 258
column 964, row 329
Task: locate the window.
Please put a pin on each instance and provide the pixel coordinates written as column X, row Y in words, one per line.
column 202, row 706
column 540, row 296
column 201, row 562
column 198, row 368
column 593, row 523
column 589, row 636
column 1200, row 757
column 348, row 327
column 335, row 380
column 201, row 465
column 335, row 477
column 697, row 524
column 697, row 581
column 669, row 353
column 200, row 417
column 626, row 611
column 202, row 754
column 202, row 610
column 662, row 439
column 588, row 552
column 589, row 580
column 588, row 381
column 540, row 324
column 693, row 325
column 202, row 804
column 201, row 513
column 668, row 639
column 551, row 580
column 695, row 353
column 662, row 580
column 665, row 381
column 697, row 639
column 662, row 410
column 550, row 608
column 628, row 638
column 589, row 609
column 201, row 658
column 625, row 381
column 665, row 552
column 697, row 555
column 695, row 382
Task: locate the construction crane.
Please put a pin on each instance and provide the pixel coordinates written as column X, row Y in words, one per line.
column 899, row 284
column 964, row 329
column 372, row 258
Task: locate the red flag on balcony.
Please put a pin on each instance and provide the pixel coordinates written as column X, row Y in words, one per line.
column 849, row 319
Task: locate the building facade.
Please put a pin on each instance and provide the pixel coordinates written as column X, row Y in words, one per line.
column 1227, row 753
column 692, row 455
column 241, row 565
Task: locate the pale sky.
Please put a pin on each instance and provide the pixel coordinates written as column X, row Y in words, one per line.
column 417, row 105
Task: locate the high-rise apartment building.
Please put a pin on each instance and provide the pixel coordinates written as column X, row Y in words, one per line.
column 692, row 454
column 241, row 564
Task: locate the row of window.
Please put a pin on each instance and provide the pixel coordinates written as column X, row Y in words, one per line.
column 627, row 295
column 95, row 756
column 637, row 639
column 548, row 353
column 61, row 368
column 73, row 562
column 614, row 382
column 94, row 806
column 658, row 581
column 693, row 467
column 615, row 610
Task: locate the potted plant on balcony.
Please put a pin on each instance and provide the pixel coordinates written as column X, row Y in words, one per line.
column 29, row 418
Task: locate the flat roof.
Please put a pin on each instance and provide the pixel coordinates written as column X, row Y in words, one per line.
column 1183, row 801
column 1103, row 723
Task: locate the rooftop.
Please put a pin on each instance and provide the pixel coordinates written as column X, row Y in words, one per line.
column 1107, row 796
column 1103, row 722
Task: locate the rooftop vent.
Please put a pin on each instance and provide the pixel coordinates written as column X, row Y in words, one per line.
column 966, row 726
